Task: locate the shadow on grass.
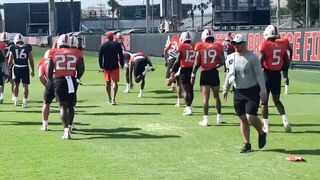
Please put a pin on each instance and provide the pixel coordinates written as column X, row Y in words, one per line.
column 149, row 104
column 161, row 92
column 306, row 93
column 119, row 113
column 86, row 106
column 296, row 151
column 34, row 111
column 162, row 97
column 124, row 136
column 35, row 123
column 306, row 132
column 297, row 125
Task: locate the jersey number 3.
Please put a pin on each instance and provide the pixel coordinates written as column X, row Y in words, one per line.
column 66, row 62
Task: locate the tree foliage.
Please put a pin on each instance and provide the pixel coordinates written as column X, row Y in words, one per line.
column 298, row 10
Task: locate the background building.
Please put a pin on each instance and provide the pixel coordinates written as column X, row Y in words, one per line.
column 33, row 18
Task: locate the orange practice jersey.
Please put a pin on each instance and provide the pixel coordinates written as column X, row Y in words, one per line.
column 209, row 54
column 65, row 61
column 138, row 55
column 187, row 54
column 274, row 53
column 43, row 64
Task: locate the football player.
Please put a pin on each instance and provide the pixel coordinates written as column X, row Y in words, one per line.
column 273, row 57
column 48, row 94
column 140, row 65
column 5, row 74
column 209, row 55
column 185, row 60
column 66, row 65
column 20, row 59
column 170, row 56
column 228, row 49
column 285, row 70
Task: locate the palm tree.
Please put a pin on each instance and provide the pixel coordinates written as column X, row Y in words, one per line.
column 114, row 6
column 190, row 8
column 71, row 15
column 202, row 6
column 213, row 5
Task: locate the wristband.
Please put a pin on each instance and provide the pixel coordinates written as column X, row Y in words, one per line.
column 193, row 75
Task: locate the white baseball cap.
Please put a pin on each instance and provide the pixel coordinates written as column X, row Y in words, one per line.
column 239, row 38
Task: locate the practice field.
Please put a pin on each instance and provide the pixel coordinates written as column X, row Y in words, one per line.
column 148, row 138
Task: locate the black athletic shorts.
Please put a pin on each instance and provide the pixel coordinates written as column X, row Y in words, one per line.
column 139, row 66
column 170, row 65
column 185, row 75
column 2, row 78
column 48, row 94
column 126, row 58
column 61, row 89
column 246, row 101
column 273, row 81
column 21, row 74
column 210, row 78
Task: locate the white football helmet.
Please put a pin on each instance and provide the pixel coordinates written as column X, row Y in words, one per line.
column 74, row 42
column 63, row 40
column 119, row 36
column 4, row 36
column 271, row 31
column 18, row 38
column 185, row 36
column 207, row 33
column 46, row 54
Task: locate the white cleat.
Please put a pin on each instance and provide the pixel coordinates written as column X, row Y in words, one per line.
column 24, row 105
column 266, row 128
column 287, row 127
column 15, row 102
column 187, row 112
column 44, row 128
column 140, row 95
column 203, row 123
column 66, row 135
column 219, row 121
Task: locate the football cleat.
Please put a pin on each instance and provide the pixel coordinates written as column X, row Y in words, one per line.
column 24, row 105
column 44, row 128
column 187, row 112
column 265, row 128
column 262, row 139
column 287, row 127
column 113, row 102
column 203, row 123
column 219, row 120
column 15, row 102
column 140, row 94
column 1, row 101
column 246, row 148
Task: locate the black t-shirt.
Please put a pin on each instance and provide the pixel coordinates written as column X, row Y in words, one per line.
column 110, row 54
column 21, row 53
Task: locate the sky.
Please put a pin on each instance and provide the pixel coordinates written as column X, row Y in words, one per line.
column 86, row 3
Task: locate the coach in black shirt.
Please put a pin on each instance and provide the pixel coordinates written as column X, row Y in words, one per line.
column 110, row 55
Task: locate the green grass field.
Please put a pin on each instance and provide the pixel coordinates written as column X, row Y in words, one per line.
column 148, row 138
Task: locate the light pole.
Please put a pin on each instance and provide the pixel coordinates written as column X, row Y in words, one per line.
column 278, row 13
column 307, row 13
